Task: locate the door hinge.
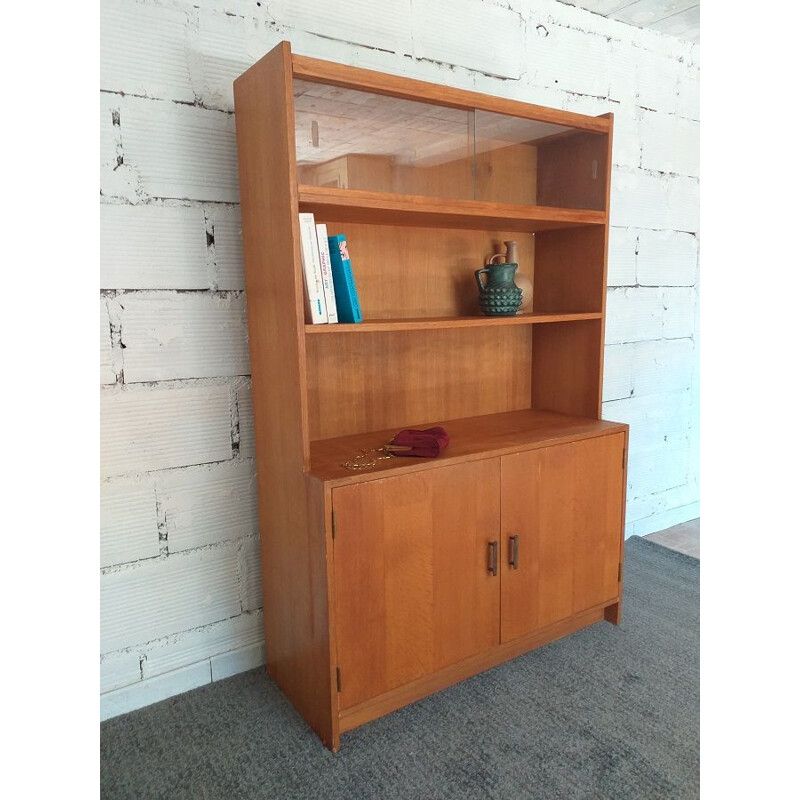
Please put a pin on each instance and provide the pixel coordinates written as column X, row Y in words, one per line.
column 333, row 524
column 338, row 679
column 624, row 450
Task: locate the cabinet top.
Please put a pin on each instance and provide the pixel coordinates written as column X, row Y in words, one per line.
column 471, row 438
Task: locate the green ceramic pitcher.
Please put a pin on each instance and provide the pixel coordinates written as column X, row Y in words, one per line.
column 499, row 295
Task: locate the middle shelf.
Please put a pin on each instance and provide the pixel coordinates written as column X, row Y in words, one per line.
column 440, row 323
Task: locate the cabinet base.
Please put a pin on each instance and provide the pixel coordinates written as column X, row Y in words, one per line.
column 375, row 707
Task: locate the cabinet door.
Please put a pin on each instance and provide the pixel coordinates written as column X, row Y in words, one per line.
column 413, row 589
column 565, row 505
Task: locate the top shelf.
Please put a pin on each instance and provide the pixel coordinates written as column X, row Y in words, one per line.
column 380, row 208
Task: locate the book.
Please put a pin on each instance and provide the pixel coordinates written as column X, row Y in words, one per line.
column 327, row 274
column 316, row 310
column 344, row 284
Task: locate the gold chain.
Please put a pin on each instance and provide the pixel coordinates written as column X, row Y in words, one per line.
column 365, row 459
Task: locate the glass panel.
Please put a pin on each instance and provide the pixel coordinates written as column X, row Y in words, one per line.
column 350, row 139
column 359, row 140
column 538, row 163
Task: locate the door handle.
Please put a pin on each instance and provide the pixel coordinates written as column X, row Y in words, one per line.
column 493, row 548
column 513, row 551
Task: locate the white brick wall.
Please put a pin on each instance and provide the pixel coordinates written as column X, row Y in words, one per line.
column 179, row 550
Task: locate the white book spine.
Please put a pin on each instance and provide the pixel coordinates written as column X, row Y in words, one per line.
column 312, row 270
column 327, row 274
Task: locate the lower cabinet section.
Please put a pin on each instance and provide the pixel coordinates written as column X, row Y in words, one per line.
column 454, row 564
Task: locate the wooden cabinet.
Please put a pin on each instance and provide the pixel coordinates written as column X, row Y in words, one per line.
column 380, row 585
column 438, row 566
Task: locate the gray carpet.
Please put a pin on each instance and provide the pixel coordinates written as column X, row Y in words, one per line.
column 610, row 712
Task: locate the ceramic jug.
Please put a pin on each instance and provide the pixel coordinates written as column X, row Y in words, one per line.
column 499, row 295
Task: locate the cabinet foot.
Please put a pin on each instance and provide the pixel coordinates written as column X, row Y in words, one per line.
column 613, row 614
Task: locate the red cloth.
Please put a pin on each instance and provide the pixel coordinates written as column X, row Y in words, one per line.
column 426, row 444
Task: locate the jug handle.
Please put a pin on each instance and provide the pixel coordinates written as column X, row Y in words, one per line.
column 481, row 284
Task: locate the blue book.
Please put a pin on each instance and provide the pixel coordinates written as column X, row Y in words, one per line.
column 344, row 285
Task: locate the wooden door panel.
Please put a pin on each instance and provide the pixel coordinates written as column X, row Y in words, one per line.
column 565, row 504
column 413, row 593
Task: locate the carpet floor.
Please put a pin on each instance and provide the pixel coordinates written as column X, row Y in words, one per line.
column 609, row 712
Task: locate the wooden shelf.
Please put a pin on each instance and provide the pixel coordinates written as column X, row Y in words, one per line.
column 383, row 208
column 471, row 438
column 441, row 323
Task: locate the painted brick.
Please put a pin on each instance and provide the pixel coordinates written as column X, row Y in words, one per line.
column 229, row 256
column 666, row 258
column 239, row 660
column 654, row 419
column 633, row 315
column 143, row 49
column 171, row 336
column 570, row 14
column 656, row 82
column 192, row 646
column 128, row 521
column 662, row 366
column 204, row 505
column 153, row 247
column 659, row 503
column 688, row 104
column 251, row 575
column 247, row 442
column 149, row 429
column 119, row 669
column 661, row 202
column 622, row 248
column 683, row 204
column 107, row 372
column 116, row 180
column 618, row 372
column 622, row 71
column 626, row 147
column 109, row 132
column 162, row 597
column 679, row 315
column 221, row 48
column 670, row 143
column 386, row 26
column 657, row 469
column 454, row 32
column 638, row 199
column 144, row 693
column 568, row 59
column 180, row 151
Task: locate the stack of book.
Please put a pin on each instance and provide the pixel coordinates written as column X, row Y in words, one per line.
column 330, row 289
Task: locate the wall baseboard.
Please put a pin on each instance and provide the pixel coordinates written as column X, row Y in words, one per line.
column 662, row 520
column 146, row 692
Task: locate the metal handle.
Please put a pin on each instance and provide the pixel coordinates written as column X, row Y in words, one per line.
column 493, row 548
column 513, row 552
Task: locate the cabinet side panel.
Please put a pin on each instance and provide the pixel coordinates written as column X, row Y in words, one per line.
column 292, row 534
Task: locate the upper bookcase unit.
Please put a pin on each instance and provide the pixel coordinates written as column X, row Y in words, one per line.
column 353, row 139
